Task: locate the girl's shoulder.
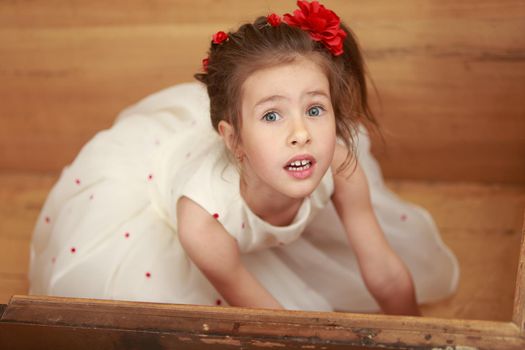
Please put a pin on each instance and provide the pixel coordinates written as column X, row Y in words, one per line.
column 214, row 184
column 214, row 188
column 350, row 181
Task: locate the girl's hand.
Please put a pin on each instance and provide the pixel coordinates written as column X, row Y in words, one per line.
column 216, row 253
column 385, row 275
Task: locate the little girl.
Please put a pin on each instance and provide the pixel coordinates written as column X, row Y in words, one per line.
column 276, row 203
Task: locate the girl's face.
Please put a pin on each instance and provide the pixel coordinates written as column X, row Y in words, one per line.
column 288, row 131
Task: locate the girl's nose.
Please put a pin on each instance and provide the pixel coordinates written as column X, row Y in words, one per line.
column 299, row 135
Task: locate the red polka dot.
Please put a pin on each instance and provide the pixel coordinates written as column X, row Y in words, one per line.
column 215, row 216
column 150, row 177
column 403, row 217
column 73, row 250
column 126, row 234
column 47, row 220
column 218, row 302
column 77, row 181
column 148, row 274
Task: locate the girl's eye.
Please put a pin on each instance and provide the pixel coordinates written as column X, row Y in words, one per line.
column 315, row 111
column 271, row 117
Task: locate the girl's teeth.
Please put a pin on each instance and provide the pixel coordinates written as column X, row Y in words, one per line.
column 294, row 167
column 299, row 163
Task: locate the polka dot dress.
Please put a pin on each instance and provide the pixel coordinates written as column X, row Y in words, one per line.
column 108, row 227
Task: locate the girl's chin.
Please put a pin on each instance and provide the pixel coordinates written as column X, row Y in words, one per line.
column 301, row 191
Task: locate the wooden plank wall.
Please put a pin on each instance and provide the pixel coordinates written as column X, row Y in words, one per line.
column 451, row 75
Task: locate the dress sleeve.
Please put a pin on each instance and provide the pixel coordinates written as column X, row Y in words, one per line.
column 214, row 187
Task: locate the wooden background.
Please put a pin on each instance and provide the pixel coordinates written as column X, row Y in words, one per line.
column 450, row 75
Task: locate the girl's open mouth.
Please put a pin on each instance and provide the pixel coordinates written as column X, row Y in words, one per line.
column 300, row 167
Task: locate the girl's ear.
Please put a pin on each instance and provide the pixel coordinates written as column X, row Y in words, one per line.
column 227, row 133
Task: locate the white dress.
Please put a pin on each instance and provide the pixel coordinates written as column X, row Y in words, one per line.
column 108, row 227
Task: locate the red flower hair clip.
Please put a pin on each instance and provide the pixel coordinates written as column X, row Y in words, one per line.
column 322, row 24
column 219, row 37
column 205, row 63
column 273, row 19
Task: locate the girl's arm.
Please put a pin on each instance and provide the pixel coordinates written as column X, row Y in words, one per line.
column 216, row 254
column 385, row 275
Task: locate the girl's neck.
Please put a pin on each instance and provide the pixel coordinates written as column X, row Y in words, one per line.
column 269, row 205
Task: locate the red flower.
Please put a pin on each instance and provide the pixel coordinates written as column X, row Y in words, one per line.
column 273, row 19
column 205, row 63
column 322, row 24
column 219, row 37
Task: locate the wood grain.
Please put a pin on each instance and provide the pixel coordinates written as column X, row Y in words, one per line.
column 450, row 75
column 32, row 322
column 518, row 316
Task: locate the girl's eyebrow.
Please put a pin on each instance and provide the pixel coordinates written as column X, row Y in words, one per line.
column 318, row 93
column 272, row 98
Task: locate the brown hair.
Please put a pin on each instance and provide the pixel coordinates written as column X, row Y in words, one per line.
column 260, row 45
